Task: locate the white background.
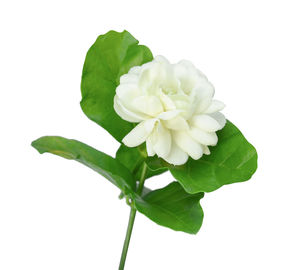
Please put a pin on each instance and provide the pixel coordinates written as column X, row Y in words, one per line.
column 57, row 214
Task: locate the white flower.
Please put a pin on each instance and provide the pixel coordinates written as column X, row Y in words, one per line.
column 174, row 106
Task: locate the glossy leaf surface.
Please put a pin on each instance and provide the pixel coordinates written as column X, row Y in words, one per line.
column 133, row 158
column 232, row 160
column 172, row 207
column 104, row 164
column 112, row 55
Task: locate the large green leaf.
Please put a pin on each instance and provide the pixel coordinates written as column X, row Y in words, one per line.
column 112, row 55
column 172, row 207
column 232, row 160
column 107, row 166
column 133, row 158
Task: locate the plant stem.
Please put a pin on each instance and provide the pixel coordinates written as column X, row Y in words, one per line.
column 127, row 238
column 142, row 179
column 131, row 219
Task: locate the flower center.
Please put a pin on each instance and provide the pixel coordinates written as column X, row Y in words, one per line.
column 168, row 90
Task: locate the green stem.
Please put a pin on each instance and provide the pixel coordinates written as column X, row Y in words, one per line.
column 131, row 219
column 142, row 179
column 127, row 238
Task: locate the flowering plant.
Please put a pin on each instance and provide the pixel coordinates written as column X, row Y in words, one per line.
column 174, row 107
column 166, row 119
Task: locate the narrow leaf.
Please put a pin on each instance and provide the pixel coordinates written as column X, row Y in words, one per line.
column 104, row 164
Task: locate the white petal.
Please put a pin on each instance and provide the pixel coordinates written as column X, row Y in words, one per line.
column 176, row 155
column 168, row 115
column 152, row 75
column 188, row 144
column 167, row 102
column 205, row 92
column 127, row 91
column 206, row 138
column 135, row 70
column 149, row 147
column 158, row 75
column 177, row 123
column 126, row 114
column 186, row 63
column 188, row 75
column 220, row 118
column 187, row 80
column 181, row 100
column 206, row 150
column 190, row 66
column 205, row 123
column 162, row 59
column 129, row 78
column 161, row 140
column 215, row 106
column 203, row 104
column 149, row 105
column 205, row 89
column 140, row 133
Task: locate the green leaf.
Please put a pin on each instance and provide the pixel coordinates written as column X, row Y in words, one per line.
column 172, row 207
column 232, row 160
column 133, row 158
column 112, row 55
column 104, row 164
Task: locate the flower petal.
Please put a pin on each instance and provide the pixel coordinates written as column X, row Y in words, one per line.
column 140, row 133
column 206, row 150
column 220, row 118
column 127, row 91
column 215, row 106
column 168, row 115
column 161, row 59
column 149, row 105
column 189, row 76
column 203, row 105
column 151, row 76
column 189, row 65
column 135, row 70
column 166, row 101
column 149, row 147
column 205, row 89
column 188, row 144
column 186, row 63
column 129, row 78
column 177, row 123
column 206, row 138
column 205, row 122
column 176, row 155
column 205, row 92
column 161, row 140
column 187, row 80
column 126, row 114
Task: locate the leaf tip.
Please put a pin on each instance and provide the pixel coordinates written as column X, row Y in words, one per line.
column 35, row 145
